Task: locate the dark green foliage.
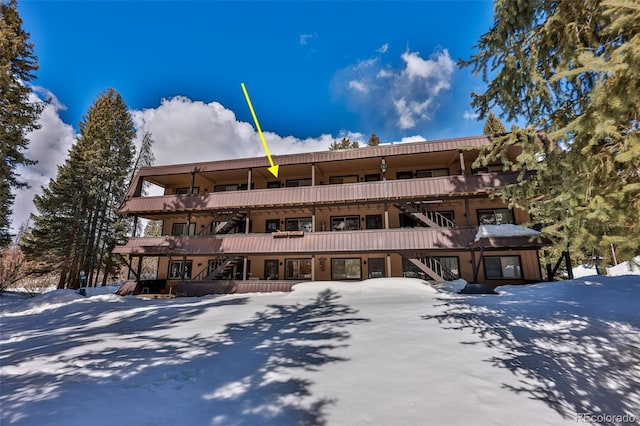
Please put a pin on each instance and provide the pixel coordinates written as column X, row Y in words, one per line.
column 571, row 70
column 374, row 140
column 77, row 224
column 17, row 115
column 345, row 143
column 493, row 126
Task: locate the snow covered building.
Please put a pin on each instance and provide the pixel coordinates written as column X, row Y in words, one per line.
column 410, row 209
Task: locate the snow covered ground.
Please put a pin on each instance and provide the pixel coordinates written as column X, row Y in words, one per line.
column 379, row 352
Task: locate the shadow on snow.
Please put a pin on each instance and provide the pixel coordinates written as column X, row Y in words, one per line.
column 576, row 356
column 250, row 373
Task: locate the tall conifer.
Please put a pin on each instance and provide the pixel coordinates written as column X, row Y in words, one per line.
column 17, row 114
column 77, row 224
column 571, row 71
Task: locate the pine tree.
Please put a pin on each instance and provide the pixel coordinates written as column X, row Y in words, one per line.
column 77, row 225
column 345, row 143
column 569, row 70
column 374, row 140
column 493, row 125
column 17, row 114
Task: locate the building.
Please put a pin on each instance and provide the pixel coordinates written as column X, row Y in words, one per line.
column 410, row 209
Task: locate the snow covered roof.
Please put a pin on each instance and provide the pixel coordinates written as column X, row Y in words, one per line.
column 507, row 235
column 506, row 230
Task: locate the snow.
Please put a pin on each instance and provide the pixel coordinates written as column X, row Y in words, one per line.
column 382, row 351
column 505, row 230
column 625, row 268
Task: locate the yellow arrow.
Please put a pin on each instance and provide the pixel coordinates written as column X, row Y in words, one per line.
column 274, row 167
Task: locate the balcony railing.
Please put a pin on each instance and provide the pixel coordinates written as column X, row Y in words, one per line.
column 391, row 190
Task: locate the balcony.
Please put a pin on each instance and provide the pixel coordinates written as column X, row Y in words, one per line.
column 390, row 190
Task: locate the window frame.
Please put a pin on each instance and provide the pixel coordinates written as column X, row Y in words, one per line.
column 310, row 228
column 502, row 267
column 218, row 188
column 185, row 190
column 181, row 275
column 290, row 182
column 372, row 216
column 372, row 177
column 383, row 269
column 480, row 212
column 192, row 229
column 346, row 268
column 333, row 180
column 297, row 259
column 345, row 217
column 407, row 173
column 277, row 265
column 424, row 171
column 267, row 222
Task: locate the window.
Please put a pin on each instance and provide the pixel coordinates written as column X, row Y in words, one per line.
column 276, row 184
column 346, row 269
column 493, row 168
column 272, row 225
column 404, row 175
column 181, row 229
column 298, row 224
column 179, row 269
column 432, row 173
column 271, row 269
column 243, row 186
column 226, row 187
column 185, row 191
column 372, row 177
column 291, row 183
column 241, row 227
column 297, row 269
column 502, row 267
column 374, row 221
column 376, row 267
column 450, row 267
column 333, row 180
column 495, row 216
column 345, row 223
column 407, row 221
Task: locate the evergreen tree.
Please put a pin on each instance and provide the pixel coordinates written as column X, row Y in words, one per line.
column 345, row 143
column 570, row 70
column 493, row 126
column 77, row 225
column 374, row 140
column 17, row 114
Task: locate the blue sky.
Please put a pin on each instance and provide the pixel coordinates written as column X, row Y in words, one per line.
column 296, row 58
column 315, row 71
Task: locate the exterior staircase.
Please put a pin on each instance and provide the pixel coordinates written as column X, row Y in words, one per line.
column 433, row 268
column 225, row 267
column 224, row 226
column 430, row 218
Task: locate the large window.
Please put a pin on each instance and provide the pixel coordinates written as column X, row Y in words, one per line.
column 298, row 224
column 374, row 221
column 271, row 269
column 376, row 267
column 404, row 175
column 181, row 229
column 179, row 269
column 502, row 267
column 345, row 223
column 272, row 225
column 226, row 187
column 297, row 269
column 432, row 173
column 333, row 180
column 374, row 177
column 346, row 269
column 275, row 184
column 495, row 216
column 298, row 182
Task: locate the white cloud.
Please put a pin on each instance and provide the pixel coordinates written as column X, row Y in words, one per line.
column 304, row 38
column 414, row 138
column 401, row 97
column 468, row 115
column 359, row 86
column 49, row 146
column 383, row 49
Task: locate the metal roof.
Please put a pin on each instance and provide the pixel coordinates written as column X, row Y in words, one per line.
column 381, row 240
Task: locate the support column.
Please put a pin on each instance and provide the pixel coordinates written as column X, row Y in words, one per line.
column 313, row 268
column 313, row 174
column 249, row 173
column 140, row 267
column 135, row 226
column 247, row 221
column 193, row 180
column 467, row 211
column 386, row 216
column 244, row 268
column 389, row 265
column 463, row 170
column 188, row 230
column 313, row 219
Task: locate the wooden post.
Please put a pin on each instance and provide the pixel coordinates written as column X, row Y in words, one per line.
column 313, row 268
column 244, row 268
column 313, row 174
column 135, row 226
column 462, row 166
column 249, row 180
column 388, row 265
column 191, row 185
column 313, row 219
column 386, row 216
